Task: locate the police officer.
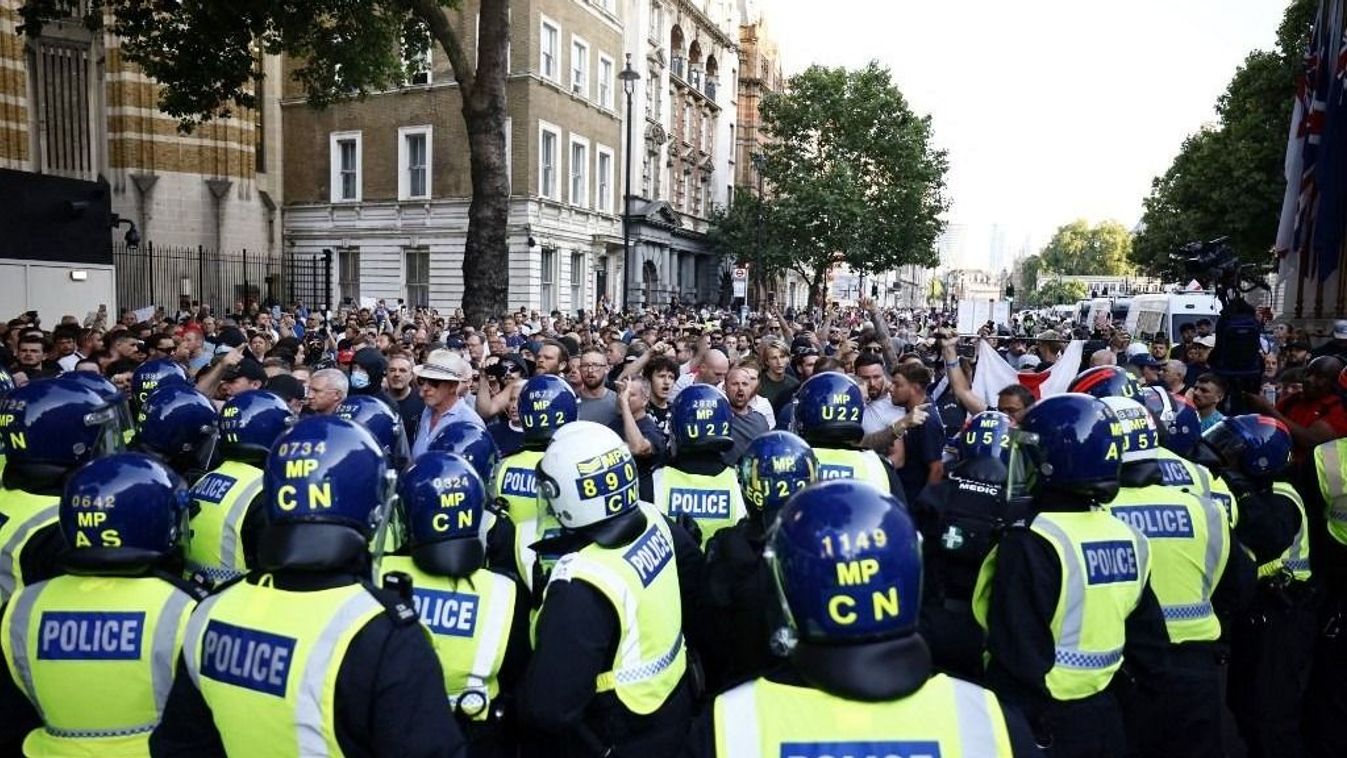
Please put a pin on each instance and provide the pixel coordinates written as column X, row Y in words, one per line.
column 178, row 426
column 696, row 487
column 1326, row 507
column 1271, row 646
column 1106, row 381
column 738, row 586
column 109, row 392
column 960, row 519
column 6, row 387
column 227, row 513
column 828, row 414
column 477, row 618
column 609, row 669
column 1180, row 429
column 859, row 682
column 546, row 404
column 1194, row 570
column 93, row 650
column 1065, row 599
column 473, row 444
column 49, row 428
column 150, row 376
column 381, row 420
column 305, row 656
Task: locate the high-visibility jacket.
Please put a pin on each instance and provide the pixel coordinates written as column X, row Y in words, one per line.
column 266, row 661
column 1295, row 559
column 1105, row 565
column 865, row 465
column 947, row 716
column 22, row 514
column 222, row 498
column 516, row 485
column 640, row 579
column 715, row 502
column 1177, row 471
column 469, row 621
column 95, row 655
column 1330, row 463
column 1189, row 540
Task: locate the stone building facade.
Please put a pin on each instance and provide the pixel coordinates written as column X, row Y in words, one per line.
column 72, row 106
column 384, row 182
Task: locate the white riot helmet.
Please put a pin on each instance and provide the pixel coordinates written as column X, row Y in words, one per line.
column 587, row 475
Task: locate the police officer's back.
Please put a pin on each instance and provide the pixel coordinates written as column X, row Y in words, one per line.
column 49, row 427
column 477, row 618
column 304, row 656
column 738, row 585
column 93, row 650
column 696, row 487
column 609, row 668
column 1271, row 646
column 546, row 403
column 227, row 513
column 1065, row 600
column 178, row 425
column 1196, row 578
column 828, row 410
column 859, row 681
column 960, row 518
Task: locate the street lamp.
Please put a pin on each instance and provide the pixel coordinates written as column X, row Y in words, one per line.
column 629, row 78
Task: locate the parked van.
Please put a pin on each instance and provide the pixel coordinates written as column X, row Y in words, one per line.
column 1169, row 313
column 1101, row 310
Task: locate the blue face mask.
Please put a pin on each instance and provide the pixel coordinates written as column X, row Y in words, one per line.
column 359, row 380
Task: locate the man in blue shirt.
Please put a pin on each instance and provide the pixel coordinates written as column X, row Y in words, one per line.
column 924, row 445
column 439, row 380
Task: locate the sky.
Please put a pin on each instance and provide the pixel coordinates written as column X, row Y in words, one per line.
column 1050, row 110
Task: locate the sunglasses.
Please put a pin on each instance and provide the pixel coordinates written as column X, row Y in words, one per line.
column 433, row 383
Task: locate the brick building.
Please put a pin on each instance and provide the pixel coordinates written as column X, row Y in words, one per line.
column 71, row 106
column 385, row 184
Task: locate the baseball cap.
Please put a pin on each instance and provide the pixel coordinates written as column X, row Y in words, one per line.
column 1340, row 330
column 455, row 343
column 1143, row 360
column 1207, row 341
column 246, row 368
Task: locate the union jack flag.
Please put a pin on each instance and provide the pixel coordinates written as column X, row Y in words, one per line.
column 1331, row 169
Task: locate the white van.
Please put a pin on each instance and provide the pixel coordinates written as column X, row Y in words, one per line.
column 1149, row 314
column 1101, row 310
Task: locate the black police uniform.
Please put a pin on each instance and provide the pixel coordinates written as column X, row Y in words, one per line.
column 1272, row 645
column 390, row 697
column 558, row 698
column 739, row 594
column 960, row 519
column 1019, row 618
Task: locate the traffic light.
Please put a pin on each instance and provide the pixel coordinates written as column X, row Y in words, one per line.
column 1010, row 291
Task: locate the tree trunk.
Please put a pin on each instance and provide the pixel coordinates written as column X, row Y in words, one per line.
column 486, row 254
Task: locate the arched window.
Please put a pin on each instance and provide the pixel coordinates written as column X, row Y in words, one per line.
column 677, row 52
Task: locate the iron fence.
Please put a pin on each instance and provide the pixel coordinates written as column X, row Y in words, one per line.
column 189, row 277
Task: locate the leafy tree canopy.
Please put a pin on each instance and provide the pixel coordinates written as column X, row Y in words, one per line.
column 1078, row 248
column 851, row 176
column 1054, row 292
column 1227, row 179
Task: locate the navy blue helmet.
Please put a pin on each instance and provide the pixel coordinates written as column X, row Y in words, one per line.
column 444, row 504
column 122, row 513
column 828, row 410
column 700, row 420
column 847, row 562
column 1072, row 444
column 326, row 490
column 176, row 421
column 56, row 423
column 250, row 422
column 473, row 443
column 1176, row 420
column 380, row 420
column 986, row 435
column 150, row 376
column 1106, row 381
column 775, row 466
column 6, row 382
column 106, row 390
column 545, row 403
column 1258, row 447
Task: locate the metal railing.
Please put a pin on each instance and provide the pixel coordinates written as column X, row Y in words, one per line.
column 189, row 277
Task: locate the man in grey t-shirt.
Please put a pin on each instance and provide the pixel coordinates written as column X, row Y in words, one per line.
column 597, row 402
column 746, row 424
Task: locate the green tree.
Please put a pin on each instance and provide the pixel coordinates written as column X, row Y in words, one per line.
column 1029, row 271
column 205, row 53
column 1078, row 248
column 852, row 175
column 1056, row 292
column 1227, row 179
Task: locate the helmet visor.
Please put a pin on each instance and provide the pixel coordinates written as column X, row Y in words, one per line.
column 1023, row 464
column 386, row 520
column 108, row 438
